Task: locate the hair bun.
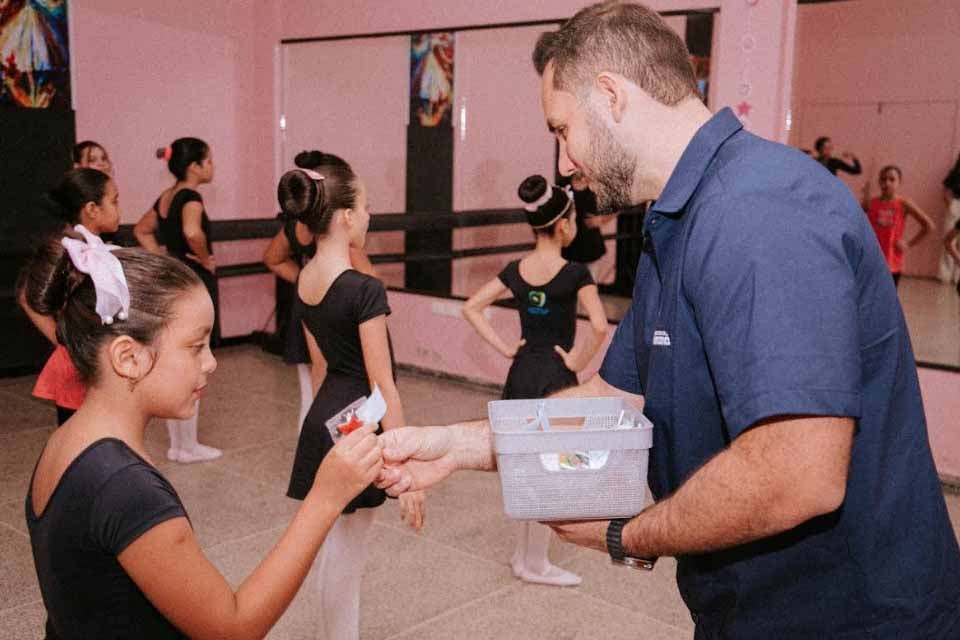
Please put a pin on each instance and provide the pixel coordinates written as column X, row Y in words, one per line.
column 49, row 278
column 545, row 204
column 309, row 159
column 532, row 189
column 298, row 195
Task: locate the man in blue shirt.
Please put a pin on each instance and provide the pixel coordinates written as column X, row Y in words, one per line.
column 791, row 466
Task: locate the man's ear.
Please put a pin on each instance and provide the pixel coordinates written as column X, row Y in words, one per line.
column 129, row 358
column 614, row 95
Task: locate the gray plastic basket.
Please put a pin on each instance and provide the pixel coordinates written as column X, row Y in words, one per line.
column 532, row 491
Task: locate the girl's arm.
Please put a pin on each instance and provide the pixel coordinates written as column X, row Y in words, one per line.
column 145, row 231
column 376, row 359
column 171, row 569
column 196, row 238
column 950, row 244
column 279, row 260
column 865, row 197
column 853, row 169
column 46, row 324
column 596, row 222
column 473, row 312
column 578, row 359
column 926, row 224
column 361, row 262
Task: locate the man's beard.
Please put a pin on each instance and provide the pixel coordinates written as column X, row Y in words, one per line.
column 611, row 177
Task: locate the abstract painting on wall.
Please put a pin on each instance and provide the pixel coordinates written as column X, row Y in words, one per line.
column 34, row 54
column 431, row 77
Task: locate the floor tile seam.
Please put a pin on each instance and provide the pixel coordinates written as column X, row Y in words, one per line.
column 238, row 474
column 403, row 529
column 592, row 596
column 247, row 447
column 449, row 612
column 21, row 606
column 243, row 538
column 14, row 529
column 268, row 397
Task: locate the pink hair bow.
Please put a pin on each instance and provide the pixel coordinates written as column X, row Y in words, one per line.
column 92, row 256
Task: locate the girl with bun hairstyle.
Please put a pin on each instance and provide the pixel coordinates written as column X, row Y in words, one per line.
column 546, row 289
column 177, row 224
column 346, row 313
column 88, row 197
column 287, row 253
column 114, row 550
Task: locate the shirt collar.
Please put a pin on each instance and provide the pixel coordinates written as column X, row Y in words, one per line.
column 696, row 157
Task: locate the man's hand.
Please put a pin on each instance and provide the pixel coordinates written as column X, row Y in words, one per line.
column 591, row 534
column 415, row 458
column 413, row 509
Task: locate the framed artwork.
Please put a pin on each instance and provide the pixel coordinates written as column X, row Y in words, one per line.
column 431, row 78
column 34, row 54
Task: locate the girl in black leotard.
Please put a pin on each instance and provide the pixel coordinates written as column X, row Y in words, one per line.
column 177, row 224
column 546, row 289
column 289, row 250
column 346, row 313
column 114, row 552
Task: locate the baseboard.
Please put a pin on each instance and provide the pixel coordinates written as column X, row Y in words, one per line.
column 464, row 381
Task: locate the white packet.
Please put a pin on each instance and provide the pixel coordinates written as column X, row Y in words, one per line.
column 367, row 410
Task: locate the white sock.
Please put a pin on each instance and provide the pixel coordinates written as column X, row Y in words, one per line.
column 173, row 430
column 339, row 572
column 530, row 562
column 306, row 393
column 190, row 450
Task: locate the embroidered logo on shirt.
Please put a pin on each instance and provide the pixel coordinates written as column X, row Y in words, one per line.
column 661, row 339
column 538, row 301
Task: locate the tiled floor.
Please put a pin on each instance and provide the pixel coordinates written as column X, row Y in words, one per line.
column 452, row 581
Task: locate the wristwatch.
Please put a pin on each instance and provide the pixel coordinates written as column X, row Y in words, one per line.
column 615, row 548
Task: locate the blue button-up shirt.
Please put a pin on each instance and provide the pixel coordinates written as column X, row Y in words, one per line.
column 762, row 292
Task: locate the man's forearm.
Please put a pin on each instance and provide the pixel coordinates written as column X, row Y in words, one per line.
column 744, row 494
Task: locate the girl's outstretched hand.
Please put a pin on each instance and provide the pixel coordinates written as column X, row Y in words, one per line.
column 350, row 466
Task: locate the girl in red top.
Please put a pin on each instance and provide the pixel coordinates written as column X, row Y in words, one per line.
column 88, row 197
column 888, row 217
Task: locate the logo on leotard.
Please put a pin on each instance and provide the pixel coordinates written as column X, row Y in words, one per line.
column 538, row 301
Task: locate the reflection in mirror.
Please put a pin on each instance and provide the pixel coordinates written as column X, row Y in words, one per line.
column 869, row 92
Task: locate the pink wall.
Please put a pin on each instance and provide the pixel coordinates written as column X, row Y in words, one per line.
column 876, row 78
column 148, row 72
column 942, row 406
